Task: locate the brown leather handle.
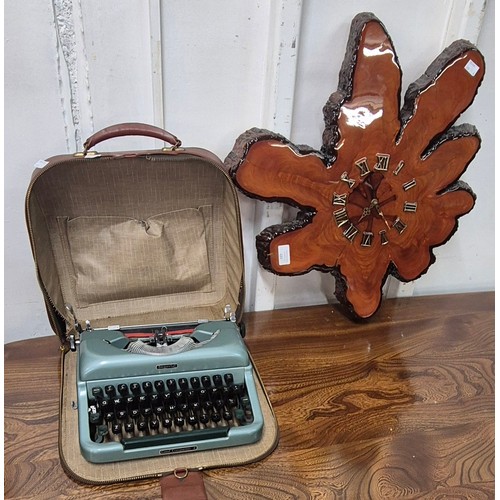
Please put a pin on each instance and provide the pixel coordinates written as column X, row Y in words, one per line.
column 122, row 129
column 188, row 485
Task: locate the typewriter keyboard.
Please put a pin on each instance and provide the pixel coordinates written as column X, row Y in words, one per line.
column 167, row 411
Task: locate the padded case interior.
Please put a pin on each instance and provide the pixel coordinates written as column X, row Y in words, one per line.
column 137, row 239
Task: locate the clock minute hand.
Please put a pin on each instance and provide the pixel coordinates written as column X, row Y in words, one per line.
column 377, row 208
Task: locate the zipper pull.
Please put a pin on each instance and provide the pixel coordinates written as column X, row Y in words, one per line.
column 74, row 336
column 77, row 325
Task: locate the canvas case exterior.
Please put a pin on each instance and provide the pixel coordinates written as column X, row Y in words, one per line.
column 136, row 238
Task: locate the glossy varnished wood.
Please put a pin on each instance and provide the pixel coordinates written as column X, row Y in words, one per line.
column 401, row 406
column 385, row 188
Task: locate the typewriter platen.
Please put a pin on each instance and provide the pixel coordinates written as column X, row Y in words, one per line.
column 165, row 389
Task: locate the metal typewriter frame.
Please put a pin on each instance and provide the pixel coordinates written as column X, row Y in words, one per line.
column 227, row 350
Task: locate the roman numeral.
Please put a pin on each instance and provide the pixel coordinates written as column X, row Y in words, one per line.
column 345, row 177
column 399, row 225
column 383, row 162
column 366, row 239
column 410, row 206
column 351, row 232
column 362, row 164
column 383, row 237
column 341, row 217
column 401, row 164
column 339, row 199
column 408, row 185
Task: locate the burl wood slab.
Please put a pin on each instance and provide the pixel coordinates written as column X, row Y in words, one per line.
column 384, row 190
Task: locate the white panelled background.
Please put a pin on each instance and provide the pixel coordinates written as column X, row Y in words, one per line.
column 207, row 70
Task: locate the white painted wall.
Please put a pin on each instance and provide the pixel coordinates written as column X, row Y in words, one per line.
column 207, row 71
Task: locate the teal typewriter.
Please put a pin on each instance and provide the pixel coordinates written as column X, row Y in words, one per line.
column 164, row 389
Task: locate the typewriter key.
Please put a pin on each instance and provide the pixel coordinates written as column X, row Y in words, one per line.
column 166, row 423
column 206, row 382
column 247, row 408
column 217, row 380
column 121, row 414
column 132, row 407
column 100, row 433
column 97, row 392
column 95, row 417
column 204, row 418
column 167, row 397
column 142, row 425
column 215, row 417
column 109, row 416
column 158, row 410
column 239, row 415
column 106, row 404
column 183, row 383
column 129, row 427
column 171, row 384
column 154, row 424
column 116, row 428
column 228, row 377
column 148, row 387
column 146, row 411
column 159, row 386
column 195, row 383
column 110, row 390
column 135, row 388
column 123, row 389
column 118, row 403
column 192, row 419
column 237, row 389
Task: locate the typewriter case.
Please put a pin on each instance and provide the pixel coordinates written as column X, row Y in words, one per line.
column 136, row 238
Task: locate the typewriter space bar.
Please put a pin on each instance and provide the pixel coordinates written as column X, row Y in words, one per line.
column 174, row 438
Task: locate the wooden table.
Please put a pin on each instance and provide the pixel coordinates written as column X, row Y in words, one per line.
column 401, row 406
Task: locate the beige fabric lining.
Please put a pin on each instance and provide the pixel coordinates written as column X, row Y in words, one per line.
column 116, row 258
column 71, row 202
column 84, row 471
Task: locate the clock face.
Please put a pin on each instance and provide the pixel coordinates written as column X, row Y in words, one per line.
column 379, row 206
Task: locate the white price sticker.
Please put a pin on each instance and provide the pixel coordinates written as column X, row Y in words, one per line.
column 283, row 255
column 471, row 67
column 40, row 164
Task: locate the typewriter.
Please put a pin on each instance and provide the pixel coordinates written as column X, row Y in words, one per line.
column 164, row 389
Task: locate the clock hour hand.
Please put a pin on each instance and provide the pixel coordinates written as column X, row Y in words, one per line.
column 366, row 212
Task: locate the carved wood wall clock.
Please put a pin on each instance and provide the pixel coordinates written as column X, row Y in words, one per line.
column 384, row 190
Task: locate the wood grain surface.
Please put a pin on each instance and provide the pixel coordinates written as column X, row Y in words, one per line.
column 401, row 406
column 385, row 188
